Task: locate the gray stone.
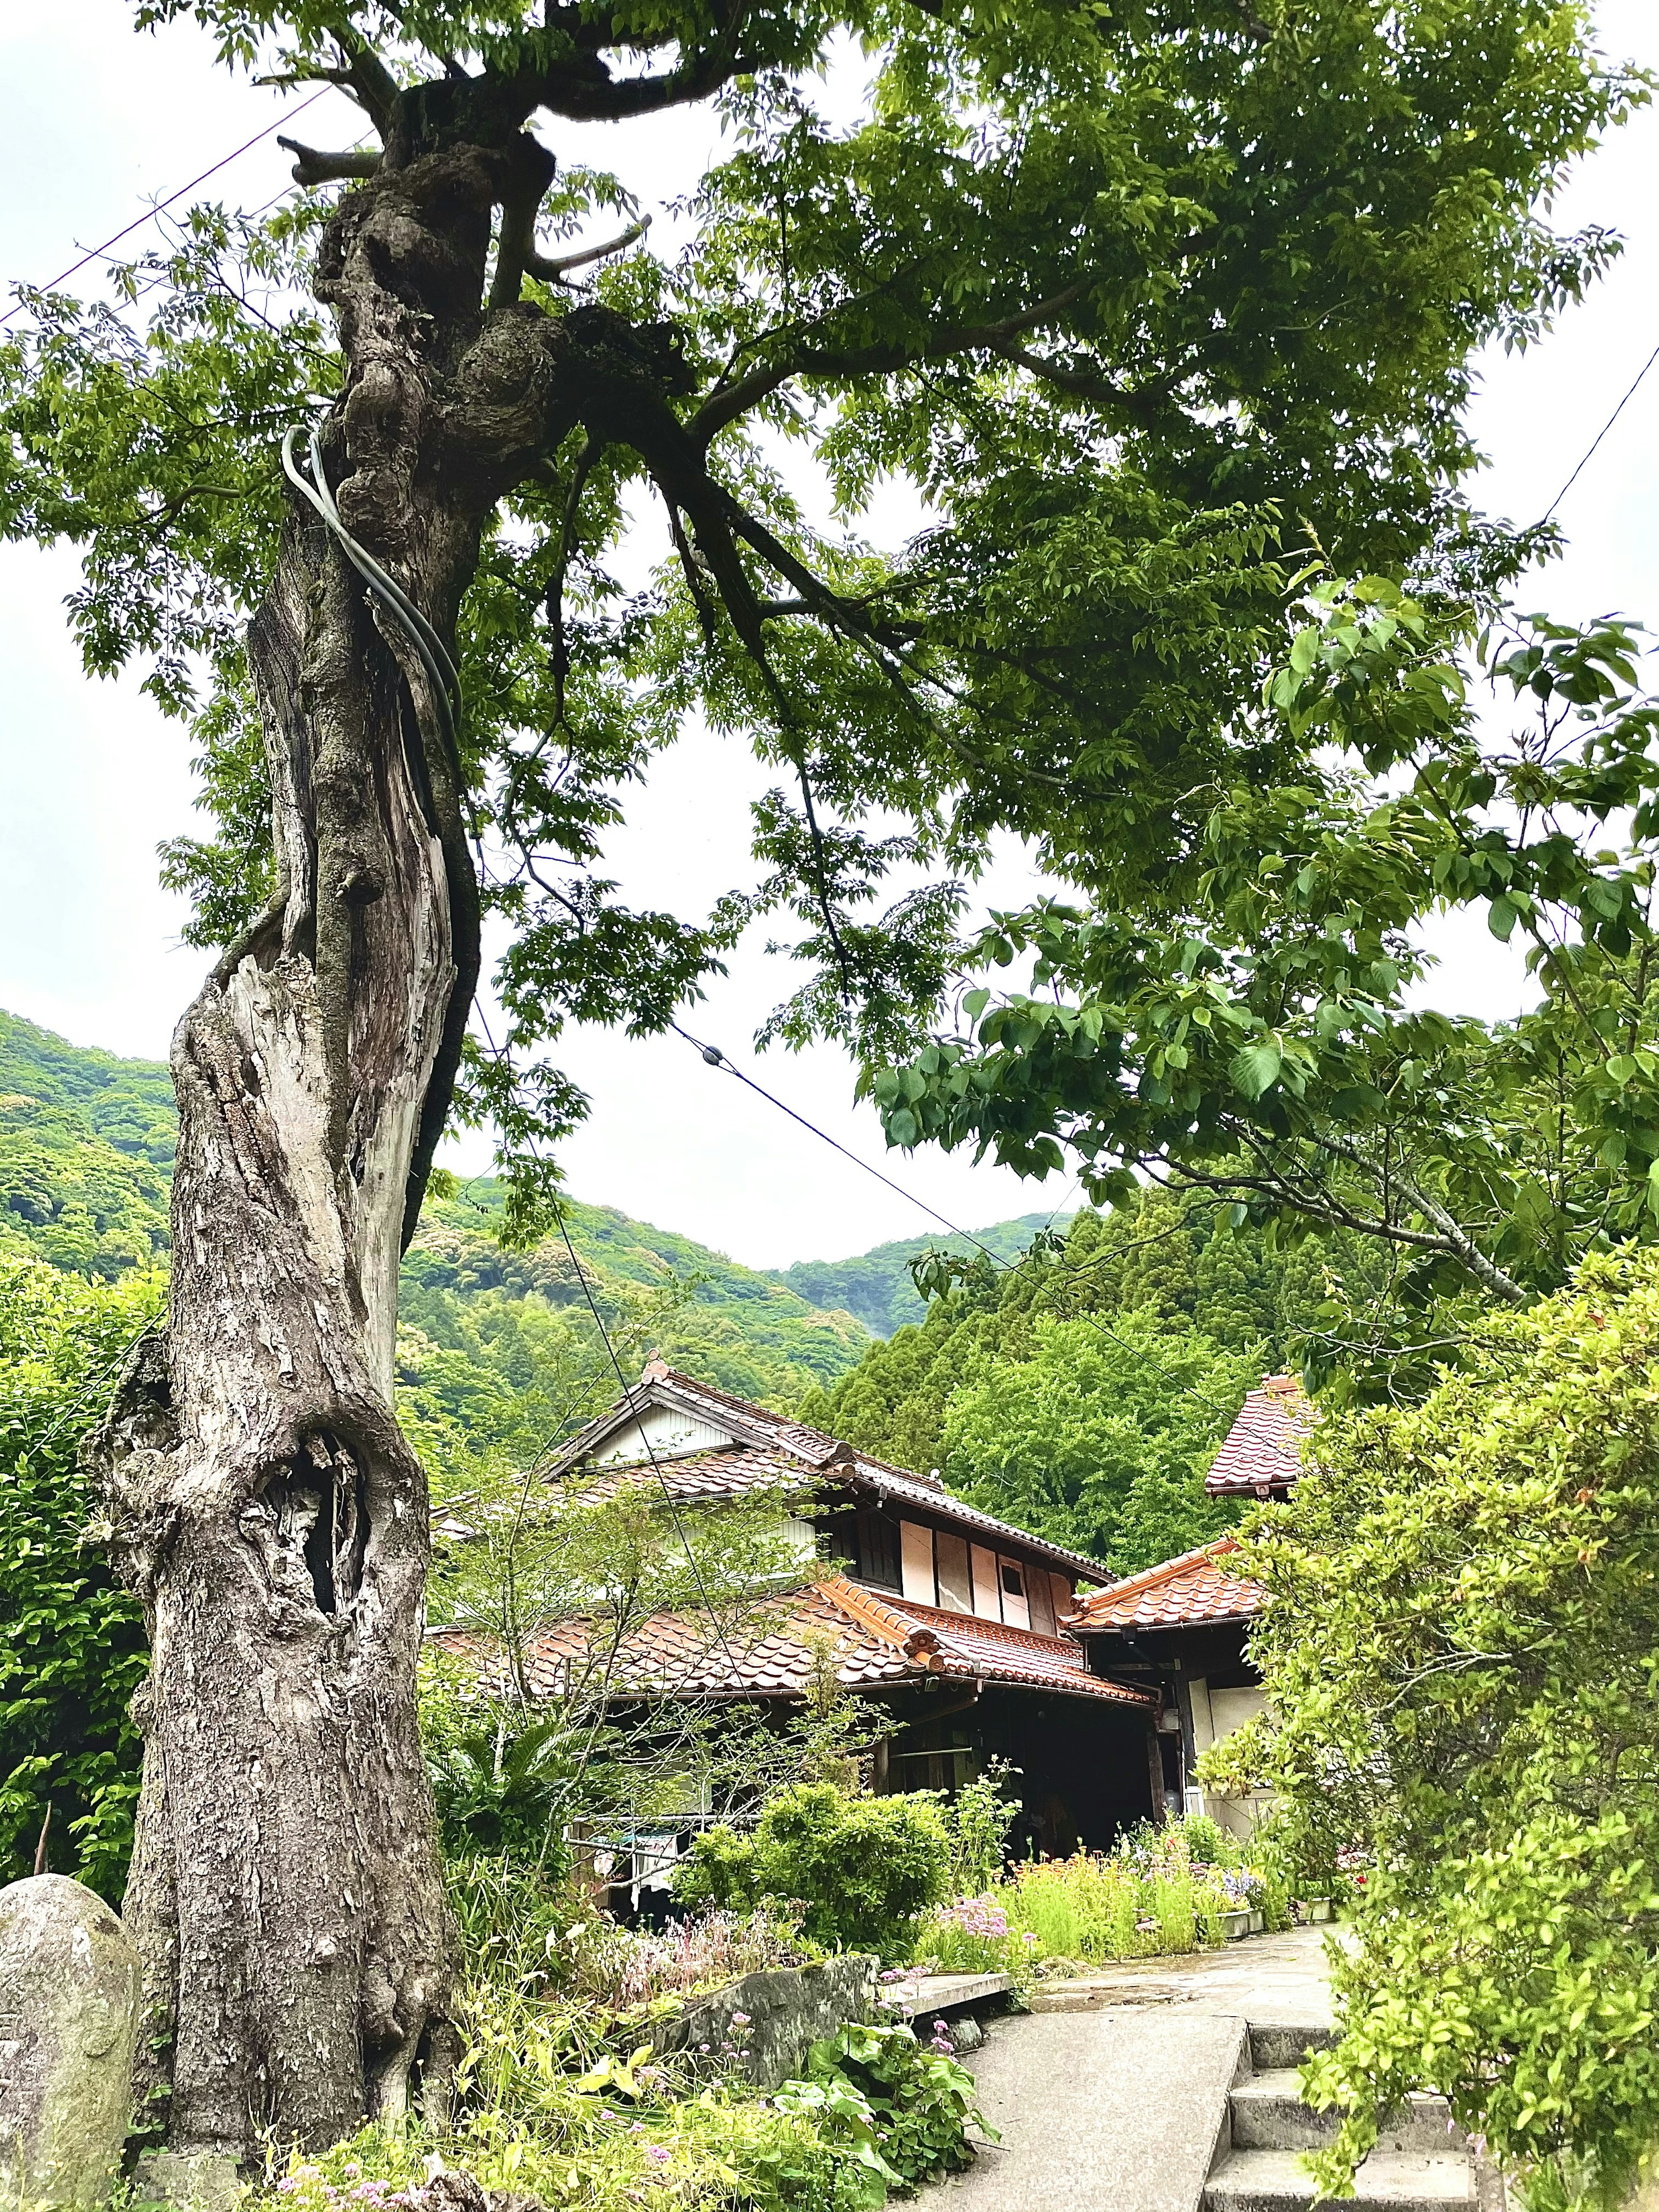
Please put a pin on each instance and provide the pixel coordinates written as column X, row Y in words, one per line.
column 966, row 2033
column 764, row 2025
column 191, row 2180
column 69, row 2024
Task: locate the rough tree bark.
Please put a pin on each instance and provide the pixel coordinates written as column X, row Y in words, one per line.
column 285, row 1888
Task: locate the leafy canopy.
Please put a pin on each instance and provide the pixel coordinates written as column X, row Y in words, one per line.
column 1134, row 298
column 1266, row 1032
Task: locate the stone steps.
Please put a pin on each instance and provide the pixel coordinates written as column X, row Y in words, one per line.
column 1268, row 2114
column 1388, row 2181
column 1421, row 2162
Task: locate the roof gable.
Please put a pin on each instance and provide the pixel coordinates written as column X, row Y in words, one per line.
column 680, row 1401
column 760, row 1446
column 1260, row 1455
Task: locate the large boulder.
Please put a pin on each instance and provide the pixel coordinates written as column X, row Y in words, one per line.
column 69, row 2023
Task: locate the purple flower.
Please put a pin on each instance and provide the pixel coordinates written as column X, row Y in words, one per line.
column 657, row 2153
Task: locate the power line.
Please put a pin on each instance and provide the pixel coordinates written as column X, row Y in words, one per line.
column 161, row 206
column 627, row 1394
column 716, row 1059
column 1596, row 441
column 656, row 1468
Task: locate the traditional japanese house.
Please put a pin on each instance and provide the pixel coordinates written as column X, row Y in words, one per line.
column 946, row 1617
column 1181, row 1629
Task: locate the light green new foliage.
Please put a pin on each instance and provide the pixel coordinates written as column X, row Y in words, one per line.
column 1101, row 1436
column 1462, row 1660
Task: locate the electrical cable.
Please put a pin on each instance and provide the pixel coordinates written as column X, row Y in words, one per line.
column 441, row 669
column 138, row 222
column 716, row 1059
column 1596, row 441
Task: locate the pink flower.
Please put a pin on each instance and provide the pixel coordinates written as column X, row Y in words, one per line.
column 740, row 2020
column 657, row 2153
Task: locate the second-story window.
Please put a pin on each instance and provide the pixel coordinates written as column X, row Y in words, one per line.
column 878, row 1549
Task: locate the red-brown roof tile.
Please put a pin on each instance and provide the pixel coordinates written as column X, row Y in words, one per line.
column 1190, row 1592
column 878, row 1641
column 1260, row 1455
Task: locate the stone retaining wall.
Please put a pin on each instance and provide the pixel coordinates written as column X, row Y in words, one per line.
column 769, row 2020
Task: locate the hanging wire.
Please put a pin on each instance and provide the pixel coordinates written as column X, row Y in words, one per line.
column 717, row 1060
column 1596, row 441
column 446, row 692
column 434, row 655
column 161, row 207
column 656, row 1468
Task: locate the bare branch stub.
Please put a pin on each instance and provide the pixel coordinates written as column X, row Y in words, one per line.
column 313, row 166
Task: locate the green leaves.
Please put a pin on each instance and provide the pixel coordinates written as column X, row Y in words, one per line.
column 73, row 1650
column 1255, row 1069
column 1459, row 1664
column 1128, row 300
column 1262, row 1026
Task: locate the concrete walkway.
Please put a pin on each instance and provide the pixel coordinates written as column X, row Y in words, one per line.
column 1116, row 2107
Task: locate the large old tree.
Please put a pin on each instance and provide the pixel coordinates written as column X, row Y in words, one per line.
column 1142, row 296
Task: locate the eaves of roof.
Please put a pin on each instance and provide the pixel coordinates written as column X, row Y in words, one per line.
column 1192, row 1591
column 879, row 1643
column 813, row 1454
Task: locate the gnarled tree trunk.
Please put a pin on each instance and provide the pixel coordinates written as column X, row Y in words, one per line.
column 286, row 1889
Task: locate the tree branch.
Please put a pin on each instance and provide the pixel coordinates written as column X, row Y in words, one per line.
column 589, row 94
column 722, row 407
column 551, row 267
column 312, row 168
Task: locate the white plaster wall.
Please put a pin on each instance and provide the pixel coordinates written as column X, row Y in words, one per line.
column 916, row 1562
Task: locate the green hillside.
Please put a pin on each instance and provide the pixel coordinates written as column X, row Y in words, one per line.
column 877, row 1285
column 736, row 1328
column 87, row 1145
column 85, row 1148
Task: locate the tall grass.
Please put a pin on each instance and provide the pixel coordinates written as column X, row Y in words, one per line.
column 1147, row 1898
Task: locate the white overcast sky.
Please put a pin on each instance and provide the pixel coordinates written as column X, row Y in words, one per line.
column 100, row 125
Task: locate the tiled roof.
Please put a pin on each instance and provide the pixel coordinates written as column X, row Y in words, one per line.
column 773, row 1451
column 1260, row 1452
column 878, row 1641
column 1189, row 1592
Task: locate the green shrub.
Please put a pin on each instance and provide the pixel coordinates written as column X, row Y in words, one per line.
column 922, row 2100
column 72, row 1643
column 860, row 1869
column 1463, row 1697
column 979, row 1818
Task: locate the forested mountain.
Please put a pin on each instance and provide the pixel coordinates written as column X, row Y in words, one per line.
column 877, row 1285
column 1078, row 1392
column 86, row 1146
